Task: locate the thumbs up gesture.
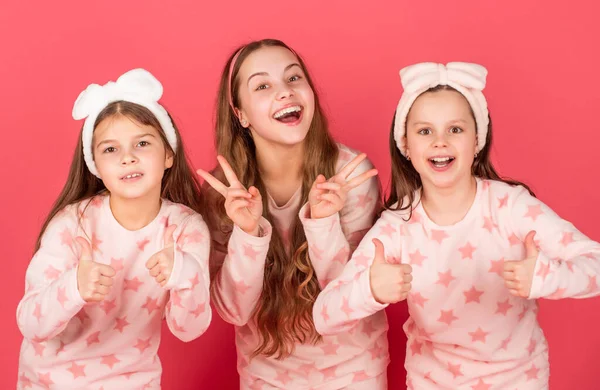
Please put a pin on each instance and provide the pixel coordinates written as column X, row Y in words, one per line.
column 94, row 280
column 160, row 264
column 390, row 283
column 518, row 275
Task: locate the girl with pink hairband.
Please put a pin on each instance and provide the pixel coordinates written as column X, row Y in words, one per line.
column 469, row 251
column 295, row 207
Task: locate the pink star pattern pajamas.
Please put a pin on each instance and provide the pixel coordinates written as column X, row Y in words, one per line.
column 341, row 361
column 465, row 330
column 113, row 344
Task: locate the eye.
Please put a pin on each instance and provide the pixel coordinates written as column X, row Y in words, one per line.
column 262, row 86
column 143, row 143
column 425, row 131
column 110, row 149
column 294, row 78
column 456, row 130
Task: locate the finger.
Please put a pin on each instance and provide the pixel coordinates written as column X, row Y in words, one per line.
column 255, row 193
column 406, row 287
column 213, row 182
column 101, row 289
column 96, row 297
column 238, row 204
column 379, row 252
column 509, row 275
column 161, row 278
column 105, row 281
column 511, row 284
column 514, row 292
column 162, row 284
column 334, row 198
column 329, row 186
column 363, row 177
column 228, row 171
column 168, row 237
column 106, row 270
column 407, row 269
column 407, row 278
column 86, row 249
column 509, row 266
column 530, row 247
column 351, row 166
column 233, row 193
column 154, row 271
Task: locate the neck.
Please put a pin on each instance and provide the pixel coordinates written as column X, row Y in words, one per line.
column 278, row 162
column 447, row 206
column 134, row 214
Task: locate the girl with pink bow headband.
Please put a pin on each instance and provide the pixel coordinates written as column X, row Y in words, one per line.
column 469, row 251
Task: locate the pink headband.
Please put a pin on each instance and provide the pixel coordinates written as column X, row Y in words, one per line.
column 466, row 78
column 231, row 66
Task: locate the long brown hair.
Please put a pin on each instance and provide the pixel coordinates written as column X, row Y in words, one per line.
column 406, row 180
column 179, row 183
column 284, row 310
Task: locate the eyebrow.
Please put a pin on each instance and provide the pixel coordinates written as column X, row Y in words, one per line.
column 266, row 74
column 429, row 124
column 109, row 141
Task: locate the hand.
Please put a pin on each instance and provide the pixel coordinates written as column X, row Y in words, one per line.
column 243, row 207
column 327, row 197
column 94, row 280
column 160, row 264
column 390, row 283
column 518, row 274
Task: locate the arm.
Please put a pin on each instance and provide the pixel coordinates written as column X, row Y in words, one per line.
column 567, row 263
column 52, row 297
column 188, row 311
column 331, row 240
column 349, row 298
column 239, row 273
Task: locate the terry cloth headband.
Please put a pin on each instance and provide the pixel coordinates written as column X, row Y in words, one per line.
column 136, row 86
column 466, row 78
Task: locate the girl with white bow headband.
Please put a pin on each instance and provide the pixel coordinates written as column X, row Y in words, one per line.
column 469, row 251
column 92, row 312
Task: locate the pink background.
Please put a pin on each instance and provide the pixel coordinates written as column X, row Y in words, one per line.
column 543, row 88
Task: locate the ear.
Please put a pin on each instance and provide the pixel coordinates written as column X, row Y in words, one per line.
column 169, row 159
column 242, row 117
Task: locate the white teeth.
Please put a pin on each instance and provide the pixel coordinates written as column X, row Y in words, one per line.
column 441, row 159
column 132, row 175
column 286, row 111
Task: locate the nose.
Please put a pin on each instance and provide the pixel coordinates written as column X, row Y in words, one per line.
column 284, row 92
column 128, row 158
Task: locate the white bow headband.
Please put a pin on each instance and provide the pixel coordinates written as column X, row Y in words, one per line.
column 466, row 78
column 136, row 86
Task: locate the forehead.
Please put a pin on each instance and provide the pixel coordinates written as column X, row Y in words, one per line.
column 121, row 126
column 449, row 104
column 269, row 59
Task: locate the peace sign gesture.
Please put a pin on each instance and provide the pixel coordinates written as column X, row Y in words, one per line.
column 327, row 197
column 243, row 207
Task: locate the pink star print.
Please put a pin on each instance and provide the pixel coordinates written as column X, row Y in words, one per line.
column 532, row 373
column 472, row 295
column 93, row 338
column 150, row 305
column 110, row 360
column 447, row 317
column 454, row 370
column 250, row 252
column 330, row 348
column 324, row 313
column 342, row 256
column 416, row 258
column 445, row 278
column 503, row 201
column 504, row 307
column 415, row 348
column 387, row 230
column 121, row 323
column 497, row 267
column 481, row 385
column 66, row 238
column 117, row 264
column 363, row 201
column 478, row 335
column 533, row 212
column 467, row 251
column 345, row 307
column 360, row 376
column 132, row 284
column 62, row 296
column 77, row 370
column 199, row 309
column 283, row 377
column 489, row 224
column 438, row 235
column 142, row 344
column 45, row 380
column 361, row 260
column 51, row 273
column 107, row 305
column 567, row 238
column 142, row 244
column 418, row 299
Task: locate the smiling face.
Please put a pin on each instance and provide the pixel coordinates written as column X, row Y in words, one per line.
column 131, row 158
column 441, row 138
column 275, row 99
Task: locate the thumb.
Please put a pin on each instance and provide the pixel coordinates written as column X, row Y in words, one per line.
column 530, row 247
column 86, row 249
column 379, row 252
column 168, row 238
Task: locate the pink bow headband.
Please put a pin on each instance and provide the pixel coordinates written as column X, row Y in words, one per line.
column 466, row 78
